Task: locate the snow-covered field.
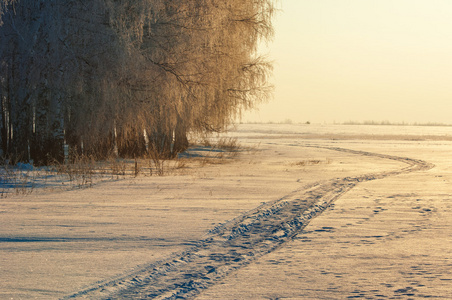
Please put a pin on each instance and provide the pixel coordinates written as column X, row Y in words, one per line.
column 303, row 212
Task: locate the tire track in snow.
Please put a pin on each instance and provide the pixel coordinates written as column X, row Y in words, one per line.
column 239, row 241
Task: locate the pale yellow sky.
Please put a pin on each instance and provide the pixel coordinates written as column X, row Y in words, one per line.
column 359, row 60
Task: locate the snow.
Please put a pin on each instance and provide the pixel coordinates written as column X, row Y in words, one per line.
column 389, row 236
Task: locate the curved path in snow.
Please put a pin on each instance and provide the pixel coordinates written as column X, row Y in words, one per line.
column 238, row 242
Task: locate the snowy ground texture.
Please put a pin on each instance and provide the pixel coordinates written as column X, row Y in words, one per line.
column 305, row 212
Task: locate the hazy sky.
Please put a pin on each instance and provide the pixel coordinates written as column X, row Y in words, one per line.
column 359, row 60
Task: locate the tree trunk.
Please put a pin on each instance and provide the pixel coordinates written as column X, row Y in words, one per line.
column 180, row 137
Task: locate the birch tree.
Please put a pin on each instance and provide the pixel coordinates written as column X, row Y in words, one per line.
column 132, row 76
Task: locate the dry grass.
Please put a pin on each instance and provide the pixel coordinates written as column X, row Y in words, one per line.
column 20, row 180
column 81, row 171
column 84, row 171
column 229, row 144
column 312, row 162
column 210, row 151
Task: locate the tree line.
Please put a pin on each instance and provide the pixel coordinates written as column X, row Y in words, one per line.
column 126, row 77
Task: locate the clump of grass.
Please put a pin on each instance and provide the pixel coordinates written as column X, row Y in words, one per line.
column 16, row 180
column 311, row 162
column 180, row 164
column 211, row 151
column 156, row 163
column 229, row 144
column 80, row 171
column 117, row 167
column 224, row 143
